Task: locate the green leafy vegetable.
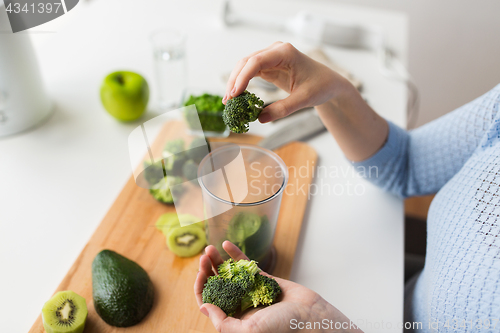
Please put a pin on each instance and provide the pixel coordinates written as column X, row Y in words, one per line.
column 242, row 226
column 241, row 110
column 174, row 157
column 209, row 108
column 175, row 146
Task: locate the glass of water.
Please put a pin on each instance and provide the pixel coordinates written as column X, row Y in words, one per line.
column 169, row 49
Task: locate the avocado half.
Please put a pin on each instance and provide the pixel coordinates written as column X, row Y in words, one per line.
column 122, row 290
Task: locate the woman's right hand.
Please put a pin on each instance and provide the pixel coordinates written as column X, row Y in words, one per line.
column 358, row 130
column 309, row 82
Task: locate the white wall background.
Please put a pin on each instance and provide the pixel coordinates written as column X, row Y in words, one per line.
column 454, row 49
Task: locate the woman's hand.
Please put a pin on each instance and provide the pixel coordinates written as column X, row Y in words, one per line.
column 359, row 131
column 308, row 82
column 297, row 304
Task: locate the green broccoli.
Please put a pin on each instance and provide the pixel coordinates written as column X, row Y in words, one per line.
column 174, row 146
column 241, row 272
column 174, row 157
column 162, row 191
column 153, row 172
column 239, row 285
column 223, row 293
column 264, row 292
column 241, row 110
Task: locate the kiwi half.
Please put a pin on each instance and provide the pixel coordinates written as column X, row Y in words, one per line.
column 65, row 312
column 186, row 241
column 168, row 221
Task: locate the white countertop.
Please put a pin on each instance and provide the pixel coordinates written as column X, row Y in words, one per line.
column 58, row 180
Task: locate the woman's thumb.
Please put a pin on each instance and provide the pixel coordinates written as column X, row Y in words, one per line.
column 220, row 320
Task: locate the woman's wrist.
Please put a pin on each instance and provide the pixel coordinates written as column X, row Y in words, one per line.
column 359, row 131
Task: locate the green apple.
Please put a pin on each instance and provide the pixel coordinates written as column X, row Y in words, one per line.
column 125, row 95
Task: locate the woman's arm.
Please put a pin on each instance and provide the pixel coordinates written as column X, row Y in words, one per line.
column 407, row 163
column 359, row 131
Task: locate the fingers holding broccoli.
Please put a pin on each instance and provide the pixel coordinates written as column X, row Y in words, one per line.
column 242, row 110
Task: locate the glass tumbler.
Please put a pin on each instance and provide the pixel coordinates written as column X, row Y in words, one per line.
column 242, row 187
column 169, row 50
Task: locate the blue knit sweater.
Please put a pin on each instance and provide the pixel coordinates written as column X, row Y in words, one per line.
column 458, row 157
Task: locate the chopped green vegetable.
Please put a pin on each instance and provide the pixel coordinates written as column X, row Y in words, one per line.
column 175, row 146
column 264, row 292
column 154, row 172
column 241, row 272
column 174, row 157
column 209, row 108
column 241, row 110
column 239, row 285
column 162, row 192
column 223, row 293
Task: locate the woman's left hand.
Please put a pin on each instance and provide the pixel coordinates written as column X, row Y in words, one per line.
column 296, row 304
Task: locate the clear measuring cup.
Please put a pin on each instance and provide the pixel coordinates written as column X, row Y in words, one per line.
column 242, row 187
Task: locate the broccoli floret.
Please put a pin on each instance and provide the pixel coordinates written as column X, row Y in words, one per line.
column 162, row 192
column 174, row 157
column 239, row 284
column 174, row 146
column 153, row 172
column 241, row 272
column 241, row 110
column 264, row 292
column 223, row 293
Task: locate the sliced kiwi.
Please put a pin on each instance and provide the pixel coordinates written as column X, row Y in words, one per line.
column 186, row 241
column 169, row 221
column 65, row 312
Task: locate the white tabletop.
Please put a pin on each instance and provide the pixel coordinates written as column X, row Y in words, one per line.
column 58, row 180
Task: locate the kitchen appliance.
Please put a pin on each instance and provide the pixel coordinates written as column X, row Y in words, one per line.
column 23, row 100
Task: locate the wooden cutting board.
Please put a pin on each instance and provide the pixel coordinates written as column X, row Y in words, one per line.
column 129, row 229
